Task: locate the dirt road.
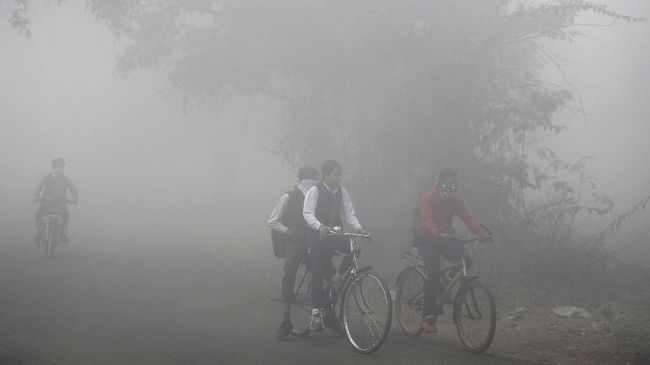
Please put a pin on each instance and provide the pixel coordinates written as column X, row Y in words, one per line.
column 170, row 303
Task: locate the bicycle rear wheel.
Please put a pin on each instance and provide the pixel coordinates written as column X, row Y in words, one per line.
column 475, row 315
column 410, row 301
column 301, row 316
column 367, row 312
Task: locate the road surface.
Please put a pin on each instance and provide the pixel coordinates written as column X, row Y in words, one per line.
column 176, row 302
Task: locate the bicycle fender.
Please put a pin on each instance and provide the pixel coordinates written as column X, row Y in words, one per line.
column 364, row 269
column 470, row 278
column 407, row 269
column 456, row 308
column 347, row 283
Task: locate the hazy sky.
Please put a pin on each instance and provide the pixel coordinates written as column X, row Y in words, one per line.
column 125, row 141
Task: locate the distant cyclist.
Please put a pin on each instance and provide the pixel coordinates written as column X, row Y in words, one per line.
column 434, row 236
column 51, row 192
column 288, row 221
column 327, row 205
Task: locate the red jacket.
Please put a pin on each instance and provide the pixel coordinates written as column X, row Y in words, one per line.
column 436, row 213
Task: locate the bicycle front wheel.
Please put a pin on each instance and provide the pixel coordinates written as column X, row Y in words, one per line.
column 301, row 316
column 410, row 301
column 475, row 315
column 367, row 312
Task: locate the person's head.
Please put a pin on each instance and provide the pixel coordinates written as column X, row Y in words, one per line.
column 447, row 183
column 57, row 165
column 310, row 173
column 332, row 173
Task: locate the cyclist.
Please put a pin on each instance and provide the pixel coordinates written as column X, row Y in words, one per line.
column 434, row 236
column 325, row 206
column 51, row 193
column 287, row 220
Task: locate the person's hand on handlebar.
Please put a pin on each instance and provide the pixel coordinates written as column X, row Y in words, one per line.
column 444, row 236
column 324, row 231
column 362, row 231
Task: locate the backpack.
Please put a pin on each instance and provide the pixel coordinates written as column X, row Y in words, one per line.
column 279, row 244
column 278, row 239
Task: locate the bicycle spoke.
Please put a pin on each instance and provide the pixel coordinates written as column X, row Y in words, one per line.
column 369, row 333
column 367, row 313
column 477, row 319
column 475, row 303
column 410, row 301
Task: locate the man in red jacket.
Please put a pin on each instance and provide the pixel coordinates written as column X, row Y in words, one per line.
column 434, row 236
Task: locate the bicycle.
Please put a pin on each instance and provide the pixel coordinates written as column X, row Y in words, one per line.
column 49, row 232
column 474, row 310
column 50, row 228
column 366, row 306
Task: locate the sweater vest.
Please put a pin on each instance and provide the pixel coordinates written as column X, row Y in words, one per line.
column 328, row 206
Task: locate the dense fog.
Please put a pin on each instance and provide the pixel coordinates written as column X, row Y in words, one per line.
column 141, row 157
column 140, row 160
column 157, row 171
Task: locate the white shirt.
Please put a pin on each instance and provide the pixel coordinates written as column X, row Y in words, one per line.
column 309, row 209
column 274, row 220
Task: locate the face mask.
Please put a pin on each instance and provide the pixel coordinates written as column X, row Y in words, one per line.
column 447, row 189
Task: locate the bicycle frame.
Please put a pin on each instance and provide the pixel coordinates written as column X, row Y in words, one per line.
column 350, row 274
column 458, row 270
column 458, row 276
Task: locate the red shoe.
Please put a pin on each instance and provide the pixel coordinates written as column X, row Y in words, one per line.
column 429, row 324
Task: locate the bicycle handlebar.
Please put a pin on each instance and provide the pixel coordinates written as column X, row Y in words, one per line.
column 474, row 239
column 41, row 200
column 357, row 235
column 489, row 238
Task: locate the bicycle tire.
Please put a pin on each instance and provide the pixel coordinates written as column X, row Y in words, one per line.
column 409, row 299
column 51, row 242
column 367, row 312
column 302, row 302
column 474, row 305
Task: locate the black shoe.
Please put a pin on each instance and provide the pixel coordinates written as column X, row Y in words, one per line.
column 285, row 329
column 333, row 324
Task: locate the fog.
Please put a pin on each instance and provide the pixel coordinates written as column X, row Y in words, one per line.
column 140, row 160
column 158, row 174
column 136, row 150
column 608, row 66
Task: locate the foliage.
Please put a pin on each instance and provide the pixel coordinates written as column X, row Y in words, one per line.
column 620, row 219
column 18, row 19
column 555, row 218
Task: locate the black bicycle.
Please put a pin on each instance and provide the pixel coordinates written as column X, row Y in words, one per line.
column 365, row 308
column 474, row 310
